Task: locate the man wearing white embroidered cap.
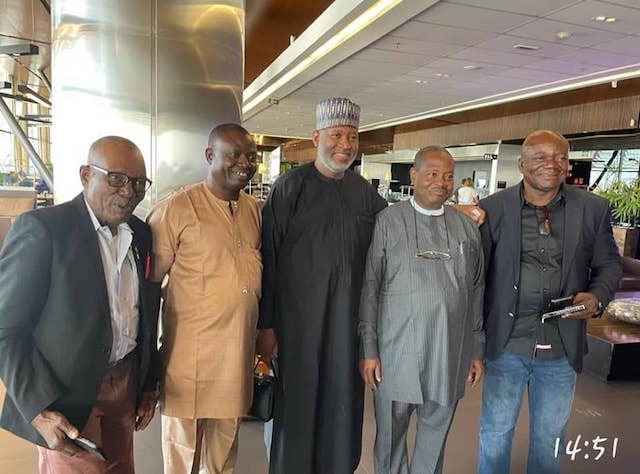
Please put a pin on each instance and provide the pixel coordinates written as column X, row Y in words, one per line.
column 317, row 225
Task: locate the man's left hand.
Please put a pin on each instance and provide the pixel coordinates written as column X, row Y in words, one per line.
column 146, row 409
column 589, row 300
column 475, row 372
column 477, row 214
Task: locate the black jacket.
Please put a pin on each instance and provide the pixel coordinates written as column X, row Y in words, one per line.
column 590, row 262
column 55, row 324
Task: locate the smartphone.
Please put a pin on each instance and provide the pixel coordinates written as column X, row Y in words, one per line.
column 562, row 312
column 560, row 303
column 90, row 447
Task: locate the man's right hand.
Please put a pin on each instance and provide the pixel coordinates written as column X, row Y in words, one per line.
column 266, row 344
column 371, row 372
column 57, row 432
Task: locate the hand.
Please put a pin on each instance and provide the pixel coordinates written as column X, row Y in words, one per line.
column 477, row 214
column 266, row 344
column 475, row 372
column 57, row 432
column 146, row 409
column 590, row 302
column 371, row 372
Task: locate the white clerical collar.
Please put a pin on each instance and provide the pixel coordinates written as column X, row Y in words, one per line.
column 426, row 212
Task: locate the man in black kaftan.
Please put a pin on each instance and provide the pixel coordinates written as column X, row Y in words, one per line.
column 317, row 226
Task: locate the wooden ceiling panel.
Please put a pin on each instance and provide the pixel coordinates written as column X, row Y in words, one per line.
column 269, row 24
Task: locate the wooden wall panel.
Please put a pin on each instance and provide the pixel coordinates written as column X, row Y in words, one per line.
column 626, row 88
column 613, row 114
column 300, row 152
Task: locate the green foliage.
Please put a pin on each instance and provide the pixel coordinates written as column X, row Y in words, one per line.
column 624, row 199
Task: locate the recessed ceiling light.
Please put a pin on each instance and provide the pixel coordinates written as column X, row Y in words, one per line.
column 604, row 19
column 562, row 35
column 472, row 67
column 442, row 75
column 526, row 47
column 420, row 81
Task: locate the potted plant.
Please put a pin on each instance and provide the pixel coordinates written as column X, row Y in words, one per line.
column 624, row 199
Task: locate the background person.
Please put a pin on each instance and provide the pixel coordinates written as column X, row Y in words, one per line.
column 466, row 194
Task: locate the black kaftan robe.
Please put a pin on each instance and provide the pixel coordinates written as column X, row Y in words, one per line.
column 316, row 233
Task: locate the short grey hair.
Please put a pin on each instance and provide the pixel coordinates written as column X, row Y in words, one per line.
column 422, row 152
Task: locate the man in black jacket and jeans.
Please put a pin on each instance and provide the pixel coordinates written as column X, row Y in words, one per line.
column 542, row 240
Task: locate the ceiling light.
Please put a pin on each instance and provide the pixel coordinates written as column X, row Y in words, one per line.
column 442, row 75
column 563, row 35
column 599, row 18
column 420, row 81
column 610, row 19
column 33, row 95
column 604, row 19
column 526, row 47
column 24, row 49
column 360, row 23
column 472, row 67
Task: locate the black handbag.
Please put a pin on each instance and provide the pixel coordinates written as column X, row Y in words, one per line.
column 264, row 387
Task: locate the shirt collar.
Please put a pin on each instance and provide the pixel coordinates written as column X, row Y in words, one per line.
column 99, row 227
column 558, row 198
column 426, row 212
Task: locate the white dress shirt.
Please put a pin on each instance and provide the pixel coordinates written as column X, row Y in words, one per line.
column 121, row 277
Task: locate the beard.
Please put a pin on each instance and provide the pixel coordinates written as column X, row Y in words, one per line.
column 333, row 166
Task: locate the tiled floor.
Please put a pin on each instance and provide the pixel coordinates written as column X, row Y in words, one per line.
column 608, row 410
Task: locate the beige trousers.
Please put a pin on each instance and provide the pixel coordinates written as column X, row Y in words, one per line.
column 206, row 445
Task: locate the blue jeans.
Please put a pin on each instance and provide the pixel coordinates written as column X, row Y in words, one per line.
column 551, row 386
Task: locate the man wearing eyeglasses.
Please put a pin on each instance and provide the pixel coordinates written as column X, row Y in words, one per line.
column 207, row 242
column 543, row 240
column 78, row 319
column 421, row 317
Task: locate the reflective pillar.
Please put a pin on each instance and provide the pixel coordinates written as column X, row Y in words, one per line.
column 161, row 73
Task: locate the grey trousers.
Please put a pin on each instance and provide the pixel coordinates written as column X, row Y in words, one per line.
column 392, row 422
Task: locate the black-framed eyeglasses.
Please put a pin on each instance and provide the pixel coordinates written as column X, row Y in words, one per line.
column 119, row 180
column 431, row 254
column 544, row 224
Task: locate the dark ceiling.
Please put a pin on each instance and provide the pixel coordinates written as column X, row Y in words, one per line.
column 269, row 24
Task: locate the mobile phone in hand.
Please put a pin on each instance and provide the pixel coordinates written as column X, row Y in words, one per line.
column 560, row 303
column 90, row 447
column 563, row 311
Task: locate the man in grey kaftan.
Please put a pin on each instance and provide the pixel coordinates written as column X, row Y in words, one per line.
column 421, row 317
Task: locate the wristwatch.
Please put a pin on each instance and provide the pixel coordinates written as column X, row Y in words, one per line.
column 599, row 310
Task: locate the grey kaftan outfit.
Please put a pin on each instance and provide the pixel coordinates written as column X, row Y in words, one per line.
column 422, row 318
